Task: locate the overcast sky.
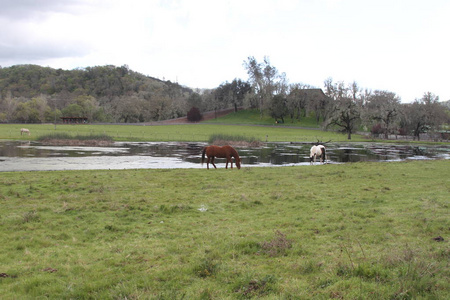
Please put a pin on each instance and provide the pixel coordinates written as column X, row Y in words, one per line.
column 394, row 45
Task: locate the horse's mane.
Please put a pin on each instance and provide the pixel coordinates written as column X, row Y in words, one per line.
column 234, row 152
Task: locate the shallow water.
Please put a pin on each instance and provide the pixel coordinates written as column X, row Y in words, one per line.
column 33, row 156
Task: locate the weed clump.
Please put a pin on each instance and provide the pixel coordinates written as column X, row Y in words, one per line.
column 208, row 267
column 256, row 287
column 30, row 216
column 278, row 246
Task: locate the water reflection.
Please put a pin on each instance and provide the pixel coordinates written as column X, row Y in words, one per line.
column 28, row 156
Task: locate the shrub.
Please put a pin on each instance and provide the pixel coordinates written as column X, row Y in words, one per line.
column 403, row 131
column 194, row 115
column 377, row 129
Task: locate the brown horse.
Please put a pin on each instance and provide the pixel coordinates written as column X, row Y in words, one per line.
column 221, row 152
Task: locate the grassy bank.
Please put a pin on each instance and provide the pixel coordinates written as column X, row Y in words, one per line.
column 353, row 231
column 80, row 140
column 253, row 117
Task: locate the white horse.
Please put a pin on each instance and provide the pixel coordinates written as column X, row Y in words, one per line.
column 317, row 150
column 24, row 130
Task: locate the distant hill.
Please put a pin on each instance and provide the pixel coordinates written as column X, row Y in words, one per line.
column 99, row 81
column 115, row 94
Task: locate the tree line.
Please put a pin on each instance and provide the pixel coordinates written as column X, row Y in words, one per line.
column 344, row 106
column 35, row 94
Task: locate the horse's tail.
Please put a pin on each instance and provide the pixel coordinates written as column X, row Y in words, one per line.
column 311, row 153
column 324, row 157
column 203, row 154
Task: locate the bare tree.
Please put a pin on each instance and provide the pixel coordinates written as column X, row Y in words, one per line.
column 264, row 79
column 424, row 115
column 383, row 107
column 7, row 107
column 345, row 114
column 345, row 107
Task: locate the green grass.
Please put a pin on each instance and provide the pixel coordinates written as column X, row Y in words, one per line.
column 229, row 137
column 352, row 231
column 190, row 132
column 245, row 124
column 253, row 117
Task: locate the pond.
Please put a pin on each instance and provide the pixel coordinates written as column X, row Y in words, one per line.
column 33, row 156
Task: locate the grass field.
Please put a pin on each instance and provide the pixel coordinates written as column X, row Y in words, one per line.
column 190, row 132
column 232, row 124
column 350, row 231
column 253, row 117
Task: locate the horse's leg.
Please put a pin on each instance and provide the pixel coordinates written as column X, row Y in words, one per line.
column 207, row 163
column 231, row 163
column 212, row 161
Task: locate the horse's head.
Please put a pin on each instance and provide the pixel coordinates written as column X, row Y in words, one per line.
column 238, row 162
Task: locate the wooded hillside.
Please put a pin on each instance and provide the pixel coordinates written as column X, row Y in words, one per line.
column 31, row 93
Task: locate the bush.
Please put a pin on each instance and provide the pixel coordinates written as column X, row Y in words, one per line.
column 194, row 115
column 402, row 131
column 377, row 129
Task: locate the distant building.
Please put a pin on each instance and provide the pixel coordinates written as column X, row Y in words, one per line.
column 74, row 120
column 313, row 94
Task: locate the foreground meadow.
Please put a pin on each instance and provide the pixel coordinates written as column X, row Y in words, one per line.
column 352, row 231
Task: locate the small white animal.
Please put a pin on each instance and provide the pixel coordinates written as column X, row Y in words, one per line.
column 317, row 150
column 24, row 130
